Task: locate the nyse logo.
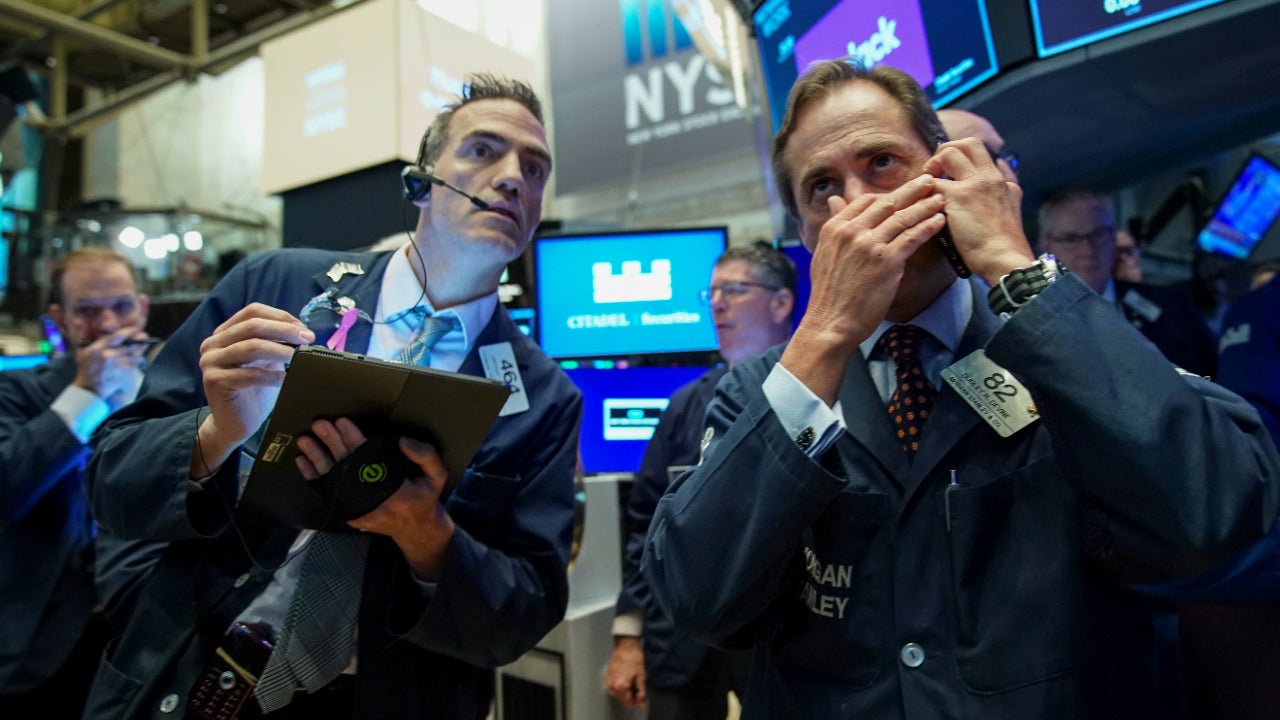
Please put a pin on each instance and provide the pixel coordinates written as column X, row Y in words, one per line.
column 666, row 97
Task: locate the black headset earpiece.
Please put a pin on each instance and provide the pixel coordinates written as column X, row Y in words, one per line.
column 417, row 177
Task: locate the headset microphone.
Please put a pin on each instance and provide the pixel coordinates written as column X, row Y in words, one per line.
column 417, row 185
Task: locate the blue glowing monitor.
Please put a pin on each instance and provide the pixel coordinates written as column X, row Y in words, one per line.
column 1245, row 214
column 626, row 293
column 620, row 409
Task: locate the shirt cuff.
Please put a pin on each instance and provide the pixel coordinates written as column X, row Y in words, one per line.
column 81, row 410
column 804, row 416
column 629, row 623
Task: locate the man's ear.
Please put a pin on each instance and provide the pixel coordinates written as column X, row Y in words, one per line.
column 59, row 318
column 781, row 305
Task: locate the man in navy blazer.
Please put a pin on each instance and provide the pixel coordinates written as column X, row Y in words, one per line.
column 1079, row 227
column 450, row 589
column 931, row 501
column 50, row 636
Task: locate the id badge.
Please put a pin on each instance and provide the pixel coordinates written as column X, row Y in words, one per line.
column 499, row 362
column 993, row 392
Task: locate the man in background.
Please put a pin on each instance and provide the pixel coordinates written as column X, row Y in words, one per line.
column 50, row 635
column 1079, row 227
column 1128, row 263
column 752, row 298
column 407, row 617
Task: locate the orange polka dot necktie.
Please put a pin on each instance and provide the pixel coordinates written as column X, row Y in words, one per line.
column 913, row 394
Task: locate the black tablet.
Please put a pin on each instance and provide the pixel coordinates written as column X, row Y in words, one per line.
column 384, row 399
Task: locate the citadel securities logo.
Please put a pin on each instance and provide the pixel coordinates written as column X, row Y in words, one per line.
column 874, row 31
column 672, row 69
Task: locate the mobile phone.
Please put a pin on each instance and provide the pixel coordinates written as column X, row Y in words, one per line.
column 944, row 240
column 148, row 341
column 51, row 334
column 228, row 680
column 949, row 250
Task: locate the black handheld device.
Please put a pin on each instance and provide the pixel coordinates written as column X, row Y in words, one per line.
column 945, row 241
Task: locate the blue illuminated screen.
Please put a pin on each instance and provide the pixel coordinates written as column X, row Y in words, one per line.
column 21, row 362
column 944, row 44
column 1061, row 25
column 620, row 409
column 1246, row 212
column 626, row 293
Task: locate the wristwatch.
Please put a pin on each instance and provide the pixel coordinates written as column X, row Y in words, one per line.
column 1018, row 287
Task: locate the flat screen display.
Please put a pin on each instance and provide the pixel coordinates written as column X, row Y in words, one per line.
column 21, row 362
column 1061, row 25
column 626, row 293
column 1246, row 212
column 944, row 44
column 620, row 409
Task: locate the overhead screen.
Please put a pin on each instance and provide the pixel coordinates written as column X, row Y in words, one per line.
column 1061, row 25
column 944, row 44
column 626, row 293
column 1247, row 211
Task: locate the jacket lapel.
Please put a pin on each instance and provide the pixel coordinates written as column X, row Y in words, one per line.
column 363, row 289
column 868, row 420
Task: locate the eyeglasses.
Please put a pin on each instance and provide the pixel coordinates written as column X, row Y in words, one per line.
column 91, row 310
column 1094, row 236
column 1009, row 156
column 733, row 290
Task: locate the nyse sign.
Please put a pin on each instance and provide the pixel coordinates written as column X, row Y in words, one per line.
column 701, row 99
column 633, row 96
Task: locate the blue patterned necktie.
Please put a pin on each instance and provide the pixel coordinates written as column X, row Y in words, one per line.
column 913, row 394
column 319, row 628
column 434, row 327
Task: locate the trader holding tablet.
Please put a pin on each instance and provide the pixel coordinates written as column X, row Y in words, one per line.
column 244, row 616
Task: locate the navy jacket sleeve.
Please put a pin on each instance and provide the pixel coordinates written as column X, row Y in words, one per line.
column 36, row 448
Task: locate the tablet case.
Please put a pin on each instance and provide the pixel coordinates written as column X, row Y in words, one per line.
column 451, row 411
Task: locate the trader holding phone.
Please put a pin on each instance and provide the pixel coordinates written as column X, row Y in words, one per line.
column 50, row 636
column 929, row 502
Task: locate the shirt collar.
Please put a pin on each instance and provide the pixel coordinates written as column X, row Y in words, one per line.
column 945, row 319
column 401, row 291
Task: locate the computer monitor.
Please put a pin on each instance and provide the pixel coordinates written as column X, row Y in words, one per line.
column 1246, row 212
column 1062, row 25
column 21, row 362
column 945, row 45
column 620, row 409
column 617, row 294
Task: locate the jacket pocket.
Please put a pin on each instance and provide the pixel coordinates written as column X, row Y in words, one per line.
column 1016, row 575
column 112, row 692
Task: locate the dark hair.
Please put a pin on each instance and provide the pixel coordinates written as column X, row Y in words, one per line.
column 824, row 77
column 481, row 86
column 769, row 266
column 81, row 257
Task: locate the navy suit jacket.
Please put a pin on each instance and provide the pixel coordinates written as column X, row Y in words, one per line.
column 46, row 532
column 504, row 584
column 670, row 657
column 872, row 587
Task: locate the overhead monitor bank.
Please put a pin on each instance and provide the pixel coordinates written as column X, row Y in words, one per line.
column 945, row 45
column 1061, row 25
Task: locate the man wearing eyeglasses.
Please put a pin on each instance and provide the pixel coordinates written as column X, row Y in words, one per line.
column 752, row 299
column 50, row 637
column 1079, row 227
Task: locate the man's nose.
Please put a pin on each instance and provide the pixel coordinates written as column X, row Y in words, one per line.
column 510, row 176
